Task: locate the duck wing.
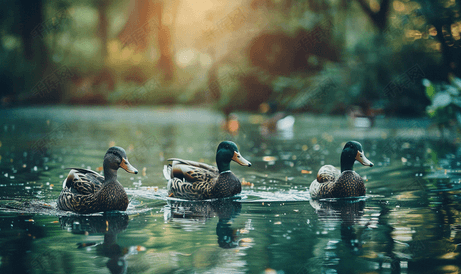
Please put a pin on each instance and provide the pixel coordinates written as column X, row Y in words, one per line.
column 192, row 171
column 328, row 174
column 189, row 179
column 326, row 179
column 83, row 181
column 179, row 188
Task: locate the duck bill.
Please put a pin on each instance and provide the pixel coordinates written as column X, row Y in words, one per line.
column 240, row 160
column 128, row 167
column 362, row 159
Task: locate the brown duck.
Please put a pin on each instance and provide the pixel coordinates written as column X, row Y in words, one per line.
column 330, row 183
column 198, row 181
column 85, row 191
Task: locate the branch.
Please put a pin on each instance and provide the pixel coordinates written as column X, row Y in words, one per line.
column 379, row 18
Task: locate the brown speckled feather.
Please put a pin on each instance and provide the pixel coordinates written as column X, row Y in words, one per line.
column 331, row 184
column 349, row 184
column 83, row 181
column 202, row 166
column 226, row 185
column 197, row 181
column 84, row 192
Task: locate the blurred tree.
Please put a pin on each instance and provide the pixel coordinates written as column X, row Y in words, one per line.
column 31, row 16
column 103, row 25
column 141, row 14
column 24, row 63
column 444, row 16
column 377, row 12
column 144, row 15
column 213, row 79
column 164, row 43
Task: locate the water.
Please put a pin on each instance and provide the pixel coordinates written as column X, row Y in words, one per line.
column 408, row 223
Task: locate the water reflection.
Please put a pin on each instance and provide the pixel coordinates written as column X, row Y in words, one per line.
column 21, row 233
column 225, row 209
column 110, row 224
column 345, row 213
column 410, row 223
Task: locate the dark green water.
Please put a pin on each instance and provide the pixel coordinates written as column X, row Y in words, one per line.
column 408, row 223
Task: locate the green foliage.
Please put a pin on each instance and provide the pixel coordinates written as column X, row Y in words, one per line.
column 445, row 106
column 430, row 90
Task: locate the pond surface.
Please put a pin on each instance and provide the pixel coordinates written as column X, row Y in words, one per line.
column 409, row 222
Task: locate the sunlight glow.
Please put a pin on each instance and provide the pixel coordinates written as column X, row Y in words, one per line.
column 126, row 53
column 398, row 6
column 374, row 6
column 205, row 60
column 185, row 58
column 433, row 31
column 455, row 30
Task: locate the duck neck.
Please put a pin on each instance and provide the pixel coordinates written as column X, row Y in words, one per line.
column 347, row 162
column 223, row 166
column 110, row 174
column 223, row 161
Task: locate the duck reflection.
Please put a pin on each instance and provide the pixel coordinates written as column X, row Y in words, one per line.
column 347, row 213
column 225, row 209
column 110, row 224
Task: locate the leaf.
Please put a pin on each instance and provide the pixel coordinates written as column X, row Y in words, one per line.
column 452, row 90
column 430, row 111
column 456, row 82
column 441, row 99
column 457, row 101
column 430, row 90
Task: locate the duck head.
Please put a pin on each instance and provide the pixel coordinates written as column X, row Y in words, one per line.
column 228, row 151
column 114, row 159
column 353, row 151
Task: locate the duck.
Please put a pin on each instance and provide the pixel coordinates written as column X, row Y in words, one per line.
column 192, row 180
column 331, row 183
column 85, row 191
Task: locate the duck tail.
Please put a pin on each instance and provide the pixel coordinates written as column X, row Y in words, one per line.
column 327, row 173
column 64, row 183
column 68, row 181
column 167, row 174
